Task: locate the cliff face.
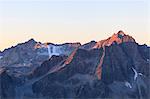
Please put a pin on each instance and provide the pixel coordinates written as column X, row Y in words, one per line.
column 124, row 74
column 7, row 87
column 117, row 38
column 46, row 66
column 23, row 58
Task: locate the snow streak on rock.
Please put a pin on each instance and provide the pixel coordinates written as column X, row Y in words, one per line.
column 1, row 57
column 128, row 84
column 49, row 51
column 136, row 74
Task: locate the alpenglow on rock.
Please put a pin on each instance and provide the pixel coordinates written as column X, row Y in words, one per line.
column 118, row 38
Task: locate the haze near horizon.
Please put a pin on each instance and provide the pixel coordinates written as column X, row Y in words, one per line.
column 60, row 21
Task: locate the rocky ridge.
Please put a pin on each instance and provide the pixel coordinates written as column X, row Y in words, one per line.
column 115, row 68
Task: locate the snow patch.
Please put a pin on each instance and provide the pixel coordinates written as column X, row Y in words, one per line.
column 136, row 73
column 49, row 51
column 127, row 84
column 1, row 57
column 140, row 74
column 53, row 50
column 56, row 50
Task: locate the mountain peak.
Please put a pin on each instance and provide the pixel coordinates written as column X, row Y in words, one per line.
column 118, row 38
column 31, row 40
column 121, row 33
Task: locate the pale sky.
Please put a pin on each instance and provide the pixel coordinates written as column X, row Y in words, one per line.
column 60, row 21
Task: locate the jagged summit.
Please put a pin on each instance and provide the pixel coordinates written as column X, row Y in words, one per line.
column 31, row 40
column 118, row 38
column 121, row 32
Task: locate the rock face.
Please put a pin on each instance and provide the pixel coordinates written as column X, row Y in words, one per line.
column 25, row 57
column 47, row 65
column 116, row 68
column 7, row 87
column 124, row 75
column 89, row 45
column 118, row 38
column 22, row 58
column 124, row 72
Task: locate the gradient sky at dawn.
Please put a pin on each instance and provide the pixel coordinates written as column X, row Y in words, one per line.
column 60, row 21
